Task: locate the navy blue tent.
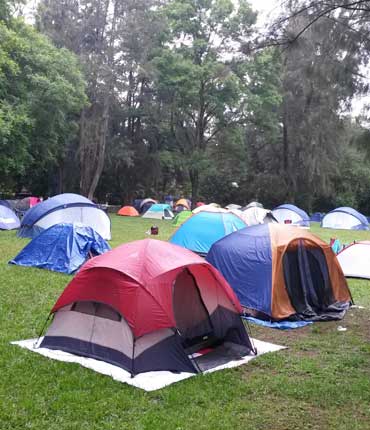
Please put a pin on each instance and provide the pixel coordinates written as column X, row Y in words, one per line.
column 62, row 248
column 317, row 217
column 65, row 208
column 8, row 219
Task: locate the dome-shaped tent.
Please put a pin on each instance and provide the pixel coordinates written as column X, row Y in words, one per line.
column 181, row 217
column 67, row 208
column 62, row 248
column 290, row 214
column 255, row 215
column 282, row 272
column 8, row 219
column 145, row 306
column 159, row 211
column 128, row 211
column 355, row 260
column 345, row 218
column 199, row 232
column 145, row 204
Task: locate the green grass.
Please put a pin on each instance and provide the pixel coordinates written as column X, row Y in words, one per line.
column 322, row 381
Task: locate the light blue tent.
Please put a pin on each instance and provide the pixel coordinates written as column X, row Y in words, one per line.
column 290, row 214
column 199, row 232
column 159, row 211
column 8, row 219
column 62, row 248
column 345, row 218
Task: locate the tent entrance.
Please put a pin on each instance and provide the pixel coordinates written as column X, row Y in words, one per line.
column 307, row 281
column 192, row 318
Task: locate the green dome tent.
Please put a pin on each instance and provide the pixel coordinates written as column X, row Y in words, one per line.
column 181, row 217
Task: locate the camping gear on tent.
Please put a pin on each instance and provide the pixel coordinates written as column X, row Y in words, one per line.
column 182, row 205
column 231, row 207
column 255, row 215
column 317, row 217
column 181, row 217
column 128, row 211
column 146, row 204
column 159, row 211
column 62, row 248
column 209, row 208
column 253, row 205
column 345, row 218
column 147, row 306
column 290, row 214
column 199, row 232
column 280, row 272
column 355, row 260
column 8, row 219
column 67, row 208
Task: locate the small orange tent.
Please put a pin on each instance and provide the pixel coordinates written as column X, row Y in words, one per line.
column 128, row 211
column 183, row 202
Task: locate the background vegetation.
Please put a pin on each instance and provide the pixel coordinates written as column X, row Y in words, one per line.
column 122, row 99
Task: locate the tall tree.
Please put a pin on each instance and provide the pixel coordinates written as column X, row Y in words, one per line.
column 195, row 75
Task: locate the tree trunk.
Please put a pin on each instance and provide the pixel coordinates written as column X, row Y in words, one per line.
column 194, row 179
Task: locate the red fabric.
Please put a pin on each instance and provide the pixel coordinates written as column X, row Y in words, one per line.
column 137, row 278
column 199, row 204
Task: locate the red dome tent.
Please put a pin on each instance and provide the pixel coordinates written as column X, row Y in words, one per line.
column 146, row 306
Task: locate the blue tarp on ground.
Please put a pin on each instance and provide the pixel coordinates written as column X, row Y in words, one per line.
column 62, row 248
column 8, row 219
column 281, row 325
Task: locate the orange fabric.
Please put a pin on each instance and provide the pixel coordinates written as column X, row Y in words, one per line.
column 128, row 211
column 282, row 237
column 183, row 202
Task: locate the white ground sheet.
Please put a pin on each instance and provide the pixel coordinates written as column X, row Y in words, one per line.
column 148, row 381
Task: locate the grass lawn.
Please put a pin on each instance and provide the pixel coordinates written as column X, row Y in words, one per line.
column 322, row 381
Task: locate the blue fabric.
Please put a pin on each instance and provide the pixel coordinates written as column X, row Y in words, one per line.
column 281, row 325
column 8, row 219
column 336, row 246
column 363, row 222
column 52, row 204
column 245, row 260
column 5, row 203
column 157, row 207
column 62, row 248
column 305, row 222
column 199, row 232
column 317, row 217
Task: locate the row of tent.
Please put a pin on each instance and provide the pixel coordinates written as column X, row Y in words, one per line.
column 254, row 213
column 150, row 305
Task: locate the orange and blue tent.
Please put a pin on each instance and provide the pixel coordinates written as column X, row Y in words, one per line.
column 282, row 272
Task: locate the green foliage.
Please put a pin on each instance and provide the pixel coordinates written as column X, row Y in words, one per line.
column 41, row 91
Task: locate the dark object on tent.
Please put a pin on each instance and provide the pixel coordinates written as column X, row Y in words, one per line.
column 146, row 306
column 62, row 248
column 66, row 207
column 282, row 272
column 8, row 219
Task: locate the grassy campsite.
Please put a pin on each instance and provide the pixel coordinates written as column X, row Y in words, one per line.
column 321, row 379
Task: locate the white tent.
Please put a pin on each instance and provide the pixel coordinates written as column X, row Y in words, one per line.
column 355, row 260
column 345, row 218
column 159, row 211
column 256, row 215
